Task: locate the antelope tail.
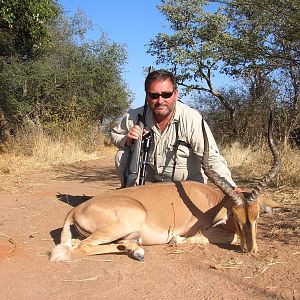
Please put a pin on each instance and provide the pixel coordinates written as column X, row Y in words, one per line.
column 62, row 251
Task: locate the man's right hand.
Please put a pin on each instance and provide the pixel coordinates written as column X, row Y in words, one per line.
column 134, row 133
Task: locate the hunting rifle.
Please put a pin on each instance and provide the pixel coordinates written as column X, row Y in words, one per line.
column 138, row 153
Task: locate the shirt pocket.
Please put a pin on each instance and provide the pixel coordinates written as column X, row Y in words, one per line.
column 182, row 155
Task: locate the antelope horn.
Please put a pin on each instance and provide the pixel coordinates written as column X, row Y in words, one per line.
column 221, row 183
column 275, row 168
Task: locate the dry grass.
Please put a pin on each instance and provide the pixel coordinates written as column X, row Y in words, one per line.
column 290, row 168
column 33, row 151
column 249, row 164
column 30, row 151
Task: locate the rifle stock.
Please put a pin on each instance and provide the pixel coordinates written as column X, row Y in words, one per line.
column 138, row 153
column 134, row 160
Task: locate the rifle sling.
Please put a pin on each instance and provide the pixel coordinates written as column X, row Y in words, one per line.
column 177, row 143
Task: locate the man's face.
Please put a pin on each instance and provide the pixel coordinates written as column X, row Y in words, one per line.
column 165, row 101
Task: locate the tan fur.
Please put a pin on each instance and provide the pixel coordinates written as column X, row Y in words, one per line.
column 123, row 220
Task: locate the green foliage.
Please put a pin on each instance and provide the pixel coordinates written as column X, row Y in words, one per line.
column 247, row 40
column 264, row 42
column 265, row 34
column 24, row 24
column 232, row 34
column 72, row 83
column 190, row 49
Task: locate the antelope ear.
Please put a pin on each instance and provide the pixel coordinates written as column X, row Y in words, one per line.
column 221, row 217
column 267, row 205
column 263, row 200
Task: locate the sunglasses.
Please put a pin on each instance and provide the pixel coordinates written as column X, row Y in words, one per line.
column 165, row 95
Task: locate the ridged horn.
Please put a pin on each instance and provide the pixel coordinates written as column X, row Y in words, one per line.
column 275, row 167
column 220, row 182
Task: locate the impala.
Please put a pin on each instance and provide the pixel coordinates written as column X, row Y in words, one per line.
column 124, row 220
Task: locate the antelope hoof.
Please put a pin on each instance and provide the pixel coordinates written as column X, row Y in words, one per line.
column 139, row 254
column 75, row 243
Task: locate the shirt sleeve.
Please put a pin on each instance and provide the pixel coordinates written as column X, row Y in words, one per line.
column 119, row 133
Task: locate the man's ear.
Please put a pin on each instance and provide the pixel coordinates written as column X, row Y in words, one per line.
column 221, row 217
column 176, row 94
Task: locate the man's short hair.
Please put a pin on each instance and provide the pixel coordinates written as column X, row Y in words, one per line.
column 160, row 75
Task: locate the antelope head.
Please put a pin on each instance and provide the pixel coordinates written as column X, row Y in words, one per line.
column 243, row 207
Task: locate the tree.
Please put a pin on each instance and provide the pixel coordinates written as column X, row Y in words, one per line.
column 23, row 34
column 214, row 113
column 76, row 79
column 264, row 35
column 68, row 80
column 190, row 51
column 24, row 25
column 265, row 40
column 240, row 38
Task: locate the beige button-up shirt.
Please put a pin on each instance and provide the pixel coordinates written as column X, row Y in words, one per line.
column 185, row 126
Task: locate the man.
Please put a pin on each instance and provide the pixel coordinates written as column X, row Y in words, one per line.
column 177, row 140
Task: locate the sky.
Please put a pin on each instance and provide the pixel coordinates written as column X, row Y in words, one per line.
column 129, row 22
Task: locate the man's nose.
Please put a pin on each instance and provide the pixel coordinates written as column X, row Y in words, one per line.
column 160, row 99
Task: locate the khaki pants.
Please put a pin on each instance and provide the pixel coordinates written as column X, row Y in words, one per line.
column 121, row 161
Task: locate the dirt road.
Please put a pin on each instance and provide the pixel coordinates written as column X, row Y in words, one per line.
column 34, row 205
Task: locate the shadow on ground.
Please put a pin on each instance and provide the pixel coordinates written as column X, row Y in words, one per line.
column 84, row 172
column 56, row 233
column 73, row 200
